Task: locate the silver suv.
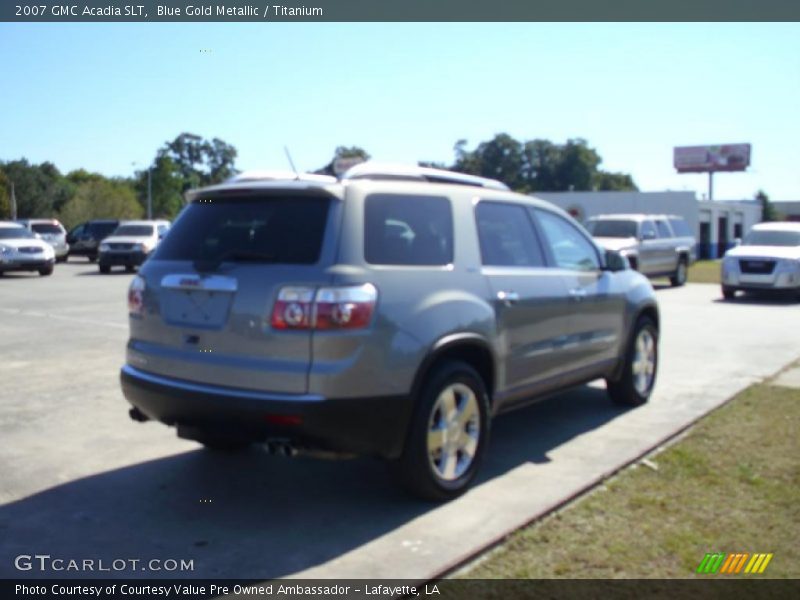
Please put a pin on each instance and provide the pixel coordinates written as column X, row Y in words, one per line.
column 656, row 245
column 392, row 313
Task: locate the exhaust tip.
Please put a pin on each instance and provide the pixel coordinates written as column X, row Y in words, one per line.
column 138, row 415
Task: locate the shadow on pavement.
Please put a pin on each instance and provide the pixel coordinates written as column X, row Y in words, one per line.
column 251, row 514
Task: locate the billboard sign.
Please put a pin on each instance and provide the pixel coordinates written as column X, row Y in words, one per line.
column 703, row 159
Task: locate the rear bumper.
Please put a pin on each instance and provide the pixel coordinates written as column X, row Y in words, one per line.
column 369, row 426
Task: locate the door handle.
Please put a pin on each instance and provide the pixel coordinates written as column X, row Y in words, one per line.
column 508, row 297
column 578, row 294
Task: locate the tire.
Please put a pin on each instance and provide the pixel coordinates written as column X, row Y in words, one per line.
column 104, row 268
column 443, row 451
column 638, row 377
column 45, row 271
column 679, row 278
column 61, row 259
column 728, row 293
column 92, row 258
column 633, row 262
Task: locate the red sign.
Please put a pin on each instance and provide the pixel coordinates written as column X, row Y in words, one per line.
column 702, row 159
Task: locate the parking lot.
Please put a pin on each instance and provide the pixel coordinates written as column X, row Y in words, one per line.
column 80, row 480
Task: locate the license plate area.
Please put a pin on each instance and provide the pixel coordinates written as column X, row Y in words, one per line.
column 192, row 300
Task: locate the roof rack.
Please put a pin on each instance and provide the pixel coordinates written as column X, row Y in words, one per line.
column 278, row 175
column 401, row 172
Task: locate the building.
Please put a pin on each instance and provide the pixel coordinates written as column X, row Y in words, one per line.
column 716, row 224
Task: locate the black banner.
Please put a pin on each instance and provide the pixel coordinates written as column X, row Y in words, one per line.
column 393, row 10
column 711, row 588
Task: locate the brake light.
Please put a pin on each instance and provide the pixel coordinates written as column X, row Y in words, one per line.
column 345, row 307
column 136, row 297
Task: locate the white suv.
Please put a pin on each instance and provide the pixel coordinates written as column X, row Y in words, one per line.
column 130, row 244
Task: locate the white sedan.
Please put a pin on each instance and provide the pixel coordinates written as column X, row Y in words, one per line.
column 767, row 259
column 21, row 250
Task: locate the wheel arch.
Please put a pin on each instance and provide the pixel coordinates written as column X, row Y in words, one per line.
column 470, row 348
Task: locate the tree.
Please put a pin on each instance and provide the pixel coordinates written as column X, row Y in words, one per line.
column 539, row 165
column 101, row 199
column 199, row 161
column 5, row 196
column 167, row 188
column 41, row 190
column 343, row 152
column 768, row 212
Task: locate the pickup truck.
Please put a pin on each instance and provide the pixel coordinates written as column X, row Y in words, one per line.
column 655, row 245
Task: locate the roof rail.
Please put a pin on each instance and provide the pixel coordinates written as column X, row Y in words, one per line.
column 376, row 170
column 279, row 175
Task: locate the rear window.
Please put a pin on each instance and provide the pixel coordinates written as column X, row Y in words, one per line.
column 408, row 230
column 46, row 228
column 680, row 228
column 269, row 229
column 134, row 230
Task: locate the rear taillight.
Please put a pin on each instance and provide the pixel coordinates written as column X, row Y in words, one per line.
column 346, row 307
column 136, row 297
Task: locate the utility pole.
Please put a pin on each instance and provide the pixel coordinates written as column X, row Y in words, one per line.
column 149, row 193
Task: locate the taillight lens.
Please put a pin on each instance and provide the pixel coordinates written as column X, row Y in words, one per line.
column 292, row 309
column 136, row 297
column 345, row 307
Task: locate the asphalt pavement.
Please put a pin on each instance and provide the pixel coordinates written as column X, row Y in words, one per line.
column 80, row 480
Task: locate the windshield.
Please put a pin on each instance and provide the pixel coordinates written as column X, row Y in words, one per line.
column 46, row 228
column 612, row 228
column 134, row 230
column 14, row 233
column 772, row 238
column 99, row 230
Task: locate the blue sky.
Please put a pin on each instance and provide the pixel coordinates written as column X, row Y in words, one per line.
column 102, row 96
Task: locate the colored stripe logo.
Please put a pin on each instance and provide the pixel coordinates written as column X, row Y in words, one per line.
column 735, row 563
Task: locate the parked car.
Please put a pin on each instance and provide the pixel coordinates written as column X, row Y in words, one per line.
column 130, row 244
column 52, row 232
column 656, row 245
column 84, row 239
column 21, row 250
column 768, row 259
column 391, row 313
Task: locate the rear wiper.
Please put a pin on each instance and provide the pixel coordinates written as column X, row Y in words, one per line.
column 211, row 264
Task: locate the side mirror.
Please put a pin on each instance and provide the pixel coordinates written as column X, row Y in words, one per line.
column 737, row 242
column 615, row 261
column 649, row 235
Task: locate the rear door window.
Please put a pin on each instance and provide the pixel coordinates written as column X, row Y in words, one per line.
column 507, row 236
column 408, row 230
column 285, row 230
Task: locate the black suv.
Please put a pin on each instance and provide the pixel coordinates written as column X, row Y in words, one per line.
column 85, row 239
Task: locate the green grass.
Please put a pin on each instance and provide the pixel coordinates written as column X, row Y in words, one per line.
column 732, row 484
column 704, row 271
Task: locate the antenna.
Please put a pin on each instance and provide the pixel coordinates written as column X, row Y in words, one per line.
column 291, row 162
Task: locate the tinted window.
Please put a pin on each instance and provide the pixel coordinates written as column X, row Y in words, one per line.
column 648, row 230
column 285, row 230
column 570, row 248
column 680, row 227
column 408, row 230
column 663, row 229
column 46, row 228
column 507, row 237
column 14, row 233
column 612, row 228
column 134, row 230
